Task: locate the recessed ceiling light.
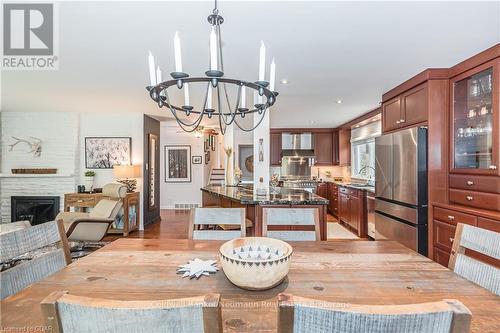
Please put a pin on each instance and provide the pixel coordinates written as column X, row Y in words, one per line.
column 284, row 81
column 339, row 101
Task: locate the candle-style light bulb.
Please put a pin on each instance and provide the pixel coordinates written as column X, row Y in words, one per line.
column 158, row 75
column 213, row 50
column 255, row 97
column 272, row 75
column 243, row 101
column 177, row 52
column 209, row 98
column 262, row 61
column 186, row 94
column 152, row 75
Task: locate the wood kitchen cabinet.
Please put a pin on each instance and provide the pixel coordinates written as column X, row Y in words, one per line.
column 328, row 149
column 344, row 147
column 391, row 114
column 322, row 190
column 474, row 137
column 333, row 196
column 475, row 118
column 407, row 109
column 344, row 210
column 352, row 209
column 323, row 148
column 444, row 224
column 275, row 153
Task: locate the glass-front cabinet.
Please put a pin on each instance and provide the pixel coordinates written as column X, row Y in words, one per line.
column 475, row 121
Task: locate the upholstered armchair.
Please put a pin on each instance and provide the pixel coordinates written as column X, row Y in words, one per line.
column 94, row 225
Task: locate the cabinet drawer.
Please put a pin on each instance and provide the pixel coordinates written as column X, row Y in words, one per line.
column 475, row 183
column 80, row 201
column 443, row 235
column 483, row 200
column 442, row 257
column 489, row 224
column 453, row 217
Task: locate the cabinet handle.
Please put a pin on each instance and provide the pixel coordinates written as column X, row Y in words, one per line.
column 402, row 120
column 493, row 167
column 451, row 217
column 470, row 182
column 397, row 121
column 451, row 239
column 469, row 198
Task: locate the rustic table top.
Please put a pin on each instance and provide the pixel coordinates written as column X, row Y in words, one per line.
column 361, row 272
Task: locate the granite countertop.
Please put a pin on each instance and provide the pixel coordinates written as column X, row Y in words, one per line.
column 247, row 196
column 367, row 188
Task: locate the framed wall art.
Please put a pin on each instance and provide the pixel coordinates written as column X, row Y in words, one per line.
column 178, row 164
column 245, row 161
column 106, row 152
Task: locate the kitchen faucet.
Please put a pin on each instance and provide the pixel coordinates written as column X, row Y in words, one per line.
column 366, row 167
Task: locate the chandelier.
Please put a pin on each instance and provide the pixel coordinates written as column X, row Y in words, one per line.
column 264, row 95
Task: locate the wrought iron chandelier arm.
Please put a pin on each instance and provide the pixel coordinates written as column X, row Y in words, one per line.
column 159, row 92
column 251, row 129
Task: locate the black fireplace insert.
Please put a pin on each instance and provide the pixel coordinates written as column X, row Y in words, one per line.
column 36, row 209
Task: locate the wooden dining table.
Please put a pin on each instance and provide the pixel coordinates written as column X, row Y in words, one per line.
column 360, row 272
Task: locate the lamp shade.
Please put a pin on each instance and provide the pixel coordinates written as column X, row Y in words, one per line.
column 126, row 171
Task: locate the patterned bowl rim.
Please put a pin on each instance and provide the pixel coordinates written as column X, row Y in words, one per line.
column 288, row 252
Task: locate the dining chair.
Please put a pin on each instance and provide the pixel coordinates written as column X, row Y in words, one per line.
column 301, row 315
column 291, row 217
column 41, row 265
column 67, row 313
column 485, row 242
column 214, row 217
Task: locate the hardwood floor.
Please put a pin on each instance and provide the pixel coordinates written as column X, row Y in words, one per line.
column 174, row 224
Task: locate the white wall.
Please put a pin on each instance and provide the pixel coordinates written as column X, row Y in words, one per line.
column 63, row 147
column 108, row 124
column 183, row 193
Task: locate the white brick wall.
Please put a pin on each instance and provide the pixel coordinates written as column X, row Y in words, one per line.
column 59, row 134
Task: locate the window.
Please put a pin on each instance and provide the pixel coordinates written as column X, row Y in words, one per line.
column 363, row 159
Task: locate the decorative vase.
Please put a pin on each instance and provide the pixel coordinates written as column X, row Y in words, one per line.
column 229, row 177
column 89, row 183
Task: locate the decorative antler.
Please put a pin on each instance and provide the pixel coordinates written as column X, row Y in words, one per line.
column 35, row 145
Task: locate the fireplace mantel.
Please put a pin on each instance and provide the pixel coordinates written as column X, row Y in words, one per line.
column 35, row 175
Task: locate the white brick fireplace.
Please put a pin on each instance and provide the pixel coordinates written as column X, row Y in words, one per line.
column 59, row 134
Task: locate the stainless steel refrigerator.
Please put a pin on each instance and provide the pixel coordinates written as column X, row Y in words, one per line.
column 401, row 188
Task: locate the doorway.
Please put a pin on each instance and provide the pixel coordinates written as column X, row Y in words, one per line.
column 151, row 170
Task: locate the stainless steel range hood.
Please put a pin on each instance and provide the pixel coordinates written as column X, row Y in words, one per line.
column 297, row 144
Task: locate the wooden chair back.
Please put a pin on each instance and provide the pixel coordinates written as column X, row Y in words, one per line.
column 485, row 242
column 291, row 217
column 19, row 242
column 69, row 313
column 217, row 216
column 301, row 315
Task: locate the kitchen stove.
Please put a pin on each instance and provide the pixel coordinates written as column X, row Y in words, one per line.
column 301, row 184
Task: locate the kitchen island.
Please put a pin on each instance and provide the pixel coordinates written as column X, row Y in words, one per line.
column 245, row 197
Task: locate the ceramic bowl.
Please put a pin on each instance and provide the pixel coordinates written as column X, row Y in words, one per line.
column 255, row 263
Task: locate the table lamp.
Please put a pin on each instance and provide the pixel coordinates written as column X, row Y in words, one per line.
column 127, row 174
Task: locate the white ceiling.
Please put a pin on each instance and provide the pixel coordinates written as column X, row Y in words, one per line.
column 353, row 51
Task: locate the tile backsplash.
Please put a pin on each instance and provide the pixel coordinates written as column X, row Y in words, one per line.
column 335, row 171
